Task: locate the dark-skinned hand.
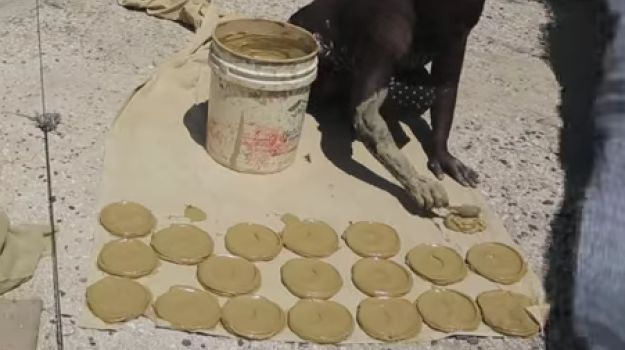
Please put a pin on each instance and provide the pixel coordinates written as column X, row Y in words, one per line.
column 443, row 162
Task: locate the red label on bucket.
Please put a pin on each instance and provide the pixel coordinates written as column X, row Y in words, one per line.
column 252, row 146
column 259, row 142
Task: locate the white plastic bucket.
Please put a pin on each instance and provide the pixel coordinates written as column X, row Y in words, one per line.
column 258, row 99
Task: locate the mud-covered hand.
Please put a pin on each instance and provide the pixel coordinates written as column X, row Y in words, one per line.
column 428, row 194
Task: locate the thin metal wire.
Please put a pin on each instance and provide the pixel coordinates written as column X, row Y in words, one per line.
column 47, row 123
column 43, row 93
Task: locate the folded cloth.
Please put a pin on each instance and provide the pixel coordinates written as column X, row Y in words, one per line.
column 21, row 247
column 189, row 12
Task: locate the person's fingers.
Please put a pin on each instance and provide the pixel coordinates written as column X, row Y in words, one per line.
column 421, row 202
column 440, row 197
column 436, row 169
column 465, row 175
column 469, row 175
column 445, row 202
column 462, row 174
column 457, row 173
column 473, row 177
column 429, row 201
column 418, row 198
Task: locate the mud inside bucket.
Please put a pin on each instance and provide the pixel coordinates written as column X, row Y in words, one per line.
column 262, row 72
column 265, row 41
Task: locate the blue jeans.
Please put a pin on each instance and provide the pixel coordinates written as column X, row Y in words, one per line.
column 599, row 288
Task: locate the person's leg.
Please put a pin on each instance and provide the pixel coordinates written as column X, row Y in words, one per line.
column 599, row 287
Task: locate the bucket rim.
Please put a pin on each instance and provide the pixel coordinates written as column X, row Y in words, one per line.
column 303, row 31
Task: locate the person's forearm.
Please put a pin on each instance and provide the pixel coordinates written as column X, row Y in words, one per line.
column 446, row 71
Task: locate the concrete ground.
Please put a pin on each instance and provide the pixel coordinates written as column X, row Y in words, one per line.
column 97, row 52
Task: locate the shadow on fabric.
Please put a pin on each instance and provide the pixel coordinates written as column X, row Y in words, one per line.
column 195, row 122
column 337, row 137
column 575, row 43
column 336, row 142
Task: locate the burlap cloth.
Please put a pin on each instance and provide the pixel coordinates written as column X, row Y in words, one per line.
column 21, row 248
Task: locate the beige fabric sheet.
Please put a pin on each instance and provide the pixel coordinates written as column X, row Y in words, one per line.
column 152, row 158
